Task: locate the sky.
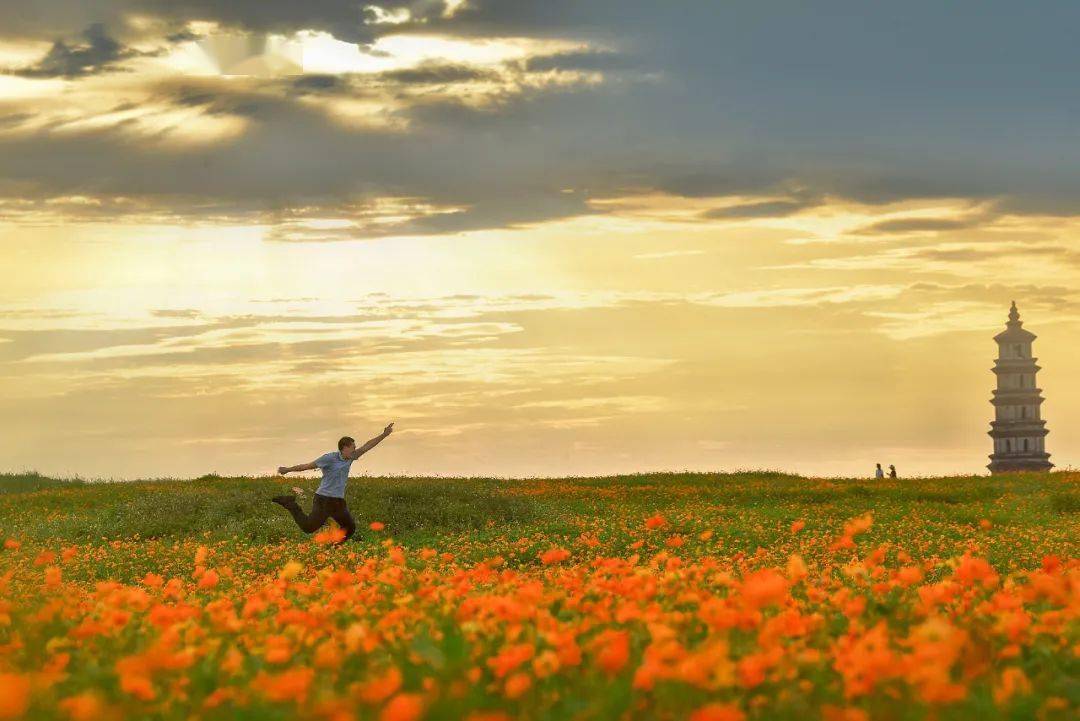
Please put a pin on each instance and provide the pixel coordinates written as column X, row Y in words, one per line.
column 572, row 237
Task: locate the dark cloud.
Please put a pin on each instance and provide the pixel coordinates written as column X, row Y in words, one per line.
column 97, row 53
column 586, row 60
column 764, row 209
column 216, row 97
column 1053, row 297
column 972, row 253
column 919, row 225
column 12, row 119
column 749, row 101
column 318, row 82
column 346, row 19
column 185, row 313
column 438, row 74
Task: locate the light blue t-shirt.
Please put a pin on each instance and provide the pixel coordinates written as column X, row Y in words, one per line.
column 335, row 472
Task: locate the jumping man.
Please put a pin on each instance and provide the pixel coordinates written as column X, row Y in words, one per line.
column 330, row 497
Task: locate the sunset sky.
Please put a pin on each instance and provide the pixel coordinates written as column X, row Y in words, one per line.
column 560, row 237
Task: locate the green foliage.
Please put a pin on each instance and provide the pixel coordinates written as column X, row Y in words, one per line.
column 31, row 482
column 1065, row 501
column 747, row 510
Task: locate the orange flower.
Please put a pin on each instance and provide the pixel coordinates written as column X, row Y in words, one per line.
column 834, row 713
column 11, row 544
column 764, row 588
column 209, row 579
column 153, row 580
column 554, row 555
column 278, row 649
column 292, row 685
column 972, row 570
column 52, row 577
column 752, row 669
column 14, row 695
column 797, row 526
column 290, row 570
column 796, row 568
column 718, row 712
column 851, row 529
column 138, row 686
column 517, row 685
column 327, row 655
column 332, row 534
column 1013, row 681
column 510, row 658
column 83, row 707
column 612, row 650
column 403, row 707
column 864, row 659
column 655, row 521
column 859, row 525
column 376, row 525
column 382, row 687
column 909, row 575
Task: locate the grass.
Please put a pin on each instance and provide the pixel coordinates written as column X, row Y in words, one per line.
column 418, row 511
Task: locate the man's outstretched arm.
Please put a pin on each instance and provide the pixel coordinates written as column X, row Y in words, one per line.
column 282, row 470
column 373, row 442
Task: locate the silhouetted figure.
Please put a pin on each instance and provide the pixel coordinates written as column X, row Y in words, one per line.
column 878, row 473
column 892, row 471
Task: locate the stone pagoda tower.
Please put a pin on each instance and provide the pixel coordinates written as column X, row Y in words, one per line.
column 1017, row 429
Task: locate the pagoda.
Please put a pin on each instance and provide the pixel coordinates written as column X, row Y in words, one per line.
column 1017, row 429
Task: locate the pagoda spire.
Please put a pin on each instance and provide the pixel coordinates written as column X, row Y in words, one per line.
column 1018, row 429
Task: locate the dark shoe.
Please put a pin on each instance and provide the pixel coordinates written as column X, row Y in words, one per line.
column 284, row 500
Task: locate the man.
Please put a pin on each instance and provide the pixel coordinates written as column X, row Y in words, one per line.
column 330, row 497
column 878, row 473
column 892, row 471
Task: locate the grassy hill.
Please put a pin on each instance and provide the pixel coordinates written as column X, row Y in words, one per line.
column 747, row 510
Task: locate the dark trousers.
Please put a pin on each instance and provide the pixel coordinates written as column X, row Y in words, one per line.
column 322, row 508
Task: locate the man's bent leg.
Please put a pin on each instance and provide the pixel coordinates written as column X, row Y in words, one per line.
column 344, row 518
column 309, row 522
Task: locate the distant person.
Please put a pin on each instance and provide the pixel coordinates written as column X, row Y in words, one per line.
column 892, row 471
column 330, row 496
column 878, row 473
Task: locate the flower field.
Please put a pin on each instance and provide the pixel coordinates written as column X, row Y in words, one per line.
column 703, row 597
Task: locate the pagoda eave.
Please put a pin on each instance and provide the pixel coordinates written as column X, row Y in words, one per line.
column 1005, row 367
column 1038, row 463
column 1017, row 335
column 1029, row 432
column 1015, row 398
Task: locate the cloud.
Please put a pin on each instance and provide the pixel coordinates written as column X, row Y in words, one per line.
column 585, row 60
column 748, row 133
column 919, row 225
column 98, row 53
column 438, row 74
column 762, row 209
column 319, row 83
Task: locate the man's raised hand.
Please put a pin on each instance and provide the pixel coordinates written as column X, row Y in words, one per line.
column 389, row 429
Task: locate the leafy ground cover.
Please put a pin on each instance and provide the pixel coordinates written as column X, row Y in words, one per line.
column 706, row 597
